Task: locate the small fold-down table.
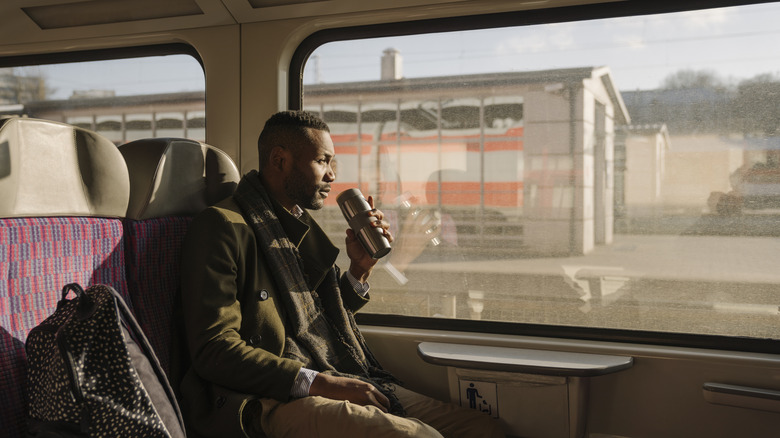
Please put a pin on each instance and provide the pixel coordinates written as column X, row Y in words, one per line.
column 557, row 379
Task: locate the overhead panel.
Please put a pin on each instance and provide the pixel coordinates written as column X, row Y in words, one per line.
column 93, row 12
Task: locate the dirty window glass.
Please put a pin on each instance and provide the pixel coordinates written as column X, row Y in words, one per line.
column 619, row 173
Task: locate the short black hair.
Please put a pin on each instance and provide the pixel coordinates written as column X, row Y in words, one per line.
column 284, row 129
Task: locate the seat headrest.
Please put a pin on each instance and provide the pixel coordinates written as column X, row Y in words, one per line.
column 54, row 169
column 176, row 177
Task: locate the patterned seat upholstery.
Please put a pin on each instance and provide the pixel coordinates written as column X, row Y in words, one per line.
column 63, row 191
column 171, row 180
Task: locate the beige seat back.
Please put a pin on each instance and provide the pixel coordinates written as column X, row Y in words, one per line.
column 54, row 169
column 176, row 177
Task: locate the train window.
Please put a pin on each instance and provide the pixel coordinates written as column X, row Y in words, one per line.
column 617, row 173
column 122, row 99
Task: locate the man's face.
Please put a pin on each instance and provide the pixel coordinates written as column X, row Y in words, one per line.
column 308, row 182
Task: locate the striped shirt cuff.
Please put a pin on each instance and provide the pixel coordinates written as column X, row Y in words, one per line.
column 303, row 383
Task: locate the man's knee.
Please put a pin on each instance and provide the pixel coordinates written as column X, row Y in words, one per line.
column 324, row 418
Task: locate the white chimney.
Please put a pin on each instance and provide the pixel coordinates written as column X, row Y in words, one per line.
column 392, row 65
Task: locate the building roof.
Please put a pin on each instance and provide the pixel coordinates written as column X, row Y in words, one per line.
column 563, row 76
column 116, row 101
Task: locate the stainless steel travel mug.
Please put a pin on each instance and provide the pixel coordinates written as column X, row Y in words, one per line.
column 354, row 207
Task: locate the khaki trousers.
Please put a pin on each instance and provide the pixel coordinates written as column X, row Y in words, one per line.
column 318, row 417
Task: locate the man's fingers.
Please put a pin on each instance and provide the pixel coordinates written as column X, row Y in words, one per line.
column 353, row 390
column 379, row 400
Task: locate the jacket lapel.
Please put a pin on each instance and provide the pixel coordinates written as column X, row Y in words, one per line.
column 317, row 251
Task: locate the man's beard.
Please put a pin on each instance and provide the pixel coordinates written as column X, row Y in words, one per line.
column 298, row 188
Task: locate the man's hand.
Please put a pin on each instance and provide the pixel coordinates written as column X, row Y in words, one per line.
column 361, row 262
column 345, row 388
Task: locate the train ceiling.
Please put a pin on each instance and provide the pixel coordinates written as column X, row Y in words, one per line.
column 25, row 22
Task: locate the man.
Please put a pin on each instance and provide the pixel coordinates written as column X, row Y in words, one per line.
column 268, row 317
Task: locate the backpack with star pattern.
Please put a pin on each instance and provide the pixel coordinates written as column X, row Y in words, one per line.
column 91, row 372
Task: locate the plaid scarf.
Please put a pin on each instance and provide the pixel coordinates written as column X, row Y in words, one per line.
column 320, row 332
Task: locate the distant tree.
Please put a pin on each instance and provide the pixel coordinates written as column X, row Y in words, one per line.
column 693, row 101
column 22, row 85
column 692, row 79
column 757, row 105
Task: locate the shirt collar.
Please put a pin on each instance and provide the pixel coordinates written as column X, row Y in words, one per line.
column 296, row 211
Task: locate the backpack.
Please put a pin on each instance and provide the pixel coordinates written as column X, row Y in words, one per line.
column 92, row 372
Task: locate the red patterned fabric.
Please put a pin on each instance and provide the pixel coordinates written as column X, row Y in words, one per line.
column 153, row 266
column 38, row 256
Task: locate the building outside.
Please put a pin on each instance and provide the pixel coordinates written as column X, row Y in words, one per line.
column 126, row 118
column 641, row 152
column 527, row 150
column 719, row 164
column 517, row 157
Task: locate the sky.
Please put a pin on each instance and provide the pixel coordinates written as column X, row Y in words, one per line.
column 150, row 75
column 734, row 43
column 737, row 43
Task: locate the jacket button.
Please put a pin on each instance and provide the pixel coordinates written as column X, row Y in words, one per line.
column 220, row 402
column 255, row 339
column 263, row 295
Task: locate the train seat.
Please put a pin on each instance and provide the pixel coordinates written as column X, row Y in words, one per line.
column 63, row 191
column 171, row 180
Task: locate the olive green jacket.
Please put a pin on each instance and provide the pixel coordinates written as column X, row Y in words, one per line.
column 233, row 317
